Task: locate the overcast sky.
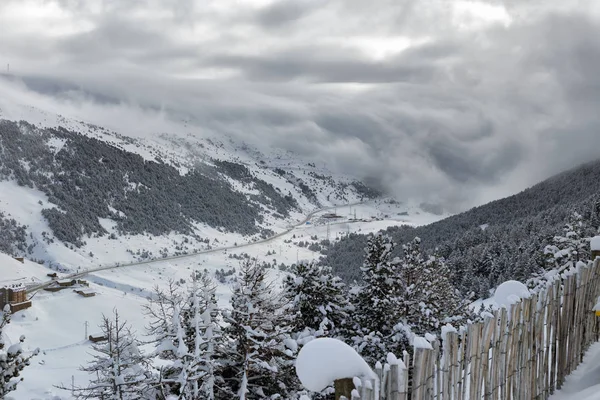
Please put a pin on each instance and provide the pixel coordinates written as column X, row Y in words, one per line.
column 454, row 101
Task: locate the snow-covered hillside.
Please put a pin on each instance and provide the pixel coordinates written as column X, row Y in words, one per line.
column 275, row 208
column 56, row 321
column 228, row 192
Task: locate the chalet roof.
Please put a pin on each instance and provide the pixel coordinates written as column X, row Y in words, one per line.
column 13, row 286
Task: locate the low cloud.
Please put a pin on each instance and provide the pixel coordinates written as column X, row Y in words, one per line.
column 456, row 102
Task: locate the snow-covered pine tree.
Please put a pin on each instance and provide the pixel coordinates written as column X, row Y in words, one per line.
column 118, row 370
column 12, row 359
column 428, row 298
column 566, row 249
column 439, row 301
column 377, row 304
column 201, row 335
column 318, row 301
column 160, row 311
column 187, row 335
column 259, row 365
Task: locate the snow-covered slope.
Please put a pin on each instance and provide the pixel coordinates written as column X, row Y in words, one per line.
column 279, row 189
column 584, row 382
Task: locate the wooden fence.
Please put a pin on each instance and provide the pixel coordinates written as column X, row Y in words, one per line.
column 521, row 353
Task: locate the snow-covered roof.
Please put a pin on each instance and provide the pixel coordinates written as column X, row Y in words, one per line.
column 595, row 243
column 13, row 286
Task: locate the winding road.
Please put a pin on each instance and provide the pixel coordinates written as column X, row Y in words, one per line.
column 81, row 274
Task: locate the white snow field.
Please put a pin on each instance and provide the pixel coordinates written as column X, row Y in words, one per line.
column 56, row 322
column 584, row 382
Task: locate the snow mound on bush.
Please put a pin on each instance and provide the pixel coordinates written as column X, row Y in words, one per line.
column 510, row 292
column 324, row 360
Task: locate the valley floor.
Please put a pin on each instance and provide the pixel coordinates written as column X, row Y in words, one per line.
column 56, row 323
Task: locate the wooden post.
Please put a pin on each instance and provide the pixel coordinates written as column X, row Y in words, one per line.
column 343, row 387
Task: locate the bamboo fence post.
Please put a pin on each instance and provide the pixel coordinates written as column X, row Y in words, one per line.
column 464, row 365
column 514, row 350
column 523, row 350
column 403, row 392
column 495, row 360
column 343, row 388
column 416, row 379
column 483, row 383
column 447, row 366
column 543, row 340
column 556, row 295
column 562, row 345
column 393, row 383
column 547, row 320
column 473, row 349
column 438, row 370
column 503, row 356
column 533, row 364
column 454, row 367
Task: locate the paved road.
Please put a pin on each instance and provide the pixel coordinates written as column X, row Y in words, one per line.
column 81, row 274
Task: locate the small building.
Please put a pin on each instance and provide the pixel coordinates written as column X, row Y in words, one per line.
column 20, row 259
column 98, row 338
column 85, row 293
column 67, row 283
column 53, row 275
column 331, row 216
column 15, row 295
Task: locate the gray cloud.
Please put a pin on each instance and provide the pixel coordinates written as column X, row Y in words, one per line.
column 440, row 100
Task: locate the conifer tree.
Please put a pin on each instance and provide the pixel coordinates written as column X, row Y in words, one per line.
column 318, row 301
column 378, row 306
column 438, row 300
column 188, row 336
column 12, row 359
column 259, row 365
column 428, row 297
column 118, row 370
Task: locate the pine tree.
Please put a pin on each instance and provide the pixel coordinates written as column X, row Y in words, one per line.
column 118, row 370
column 439, row 302
column 187, row 336
column 318, row 301
column 12, row 360
column 428, row 298
column 258, row 328
column 378, row 307
column 201, row 335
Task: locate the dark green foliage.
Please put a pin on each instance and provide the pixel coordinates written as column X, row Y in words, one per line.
column 318, row 301
column 88, row 179
column 492, row 243
column 378, row 304
column 13, row 236
column 365, row 191
column 258, row 364
column 269, row 196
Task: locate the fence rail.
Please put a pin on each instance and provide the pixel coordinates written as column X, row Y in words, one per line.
column 524, row 352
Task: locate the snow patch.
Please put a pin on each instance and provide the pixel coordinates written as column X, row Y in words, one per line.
column 595, row 243
column 322, row 361
column 510, row 292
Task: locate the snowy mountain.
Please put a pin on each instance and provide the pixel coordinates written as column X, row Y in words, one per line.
column 87, row 187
